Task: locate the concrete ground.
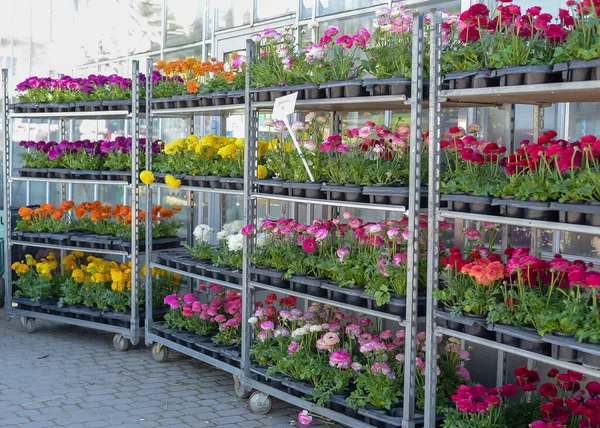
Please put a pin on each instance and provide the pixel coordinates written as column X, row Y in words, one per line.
column 64, row 376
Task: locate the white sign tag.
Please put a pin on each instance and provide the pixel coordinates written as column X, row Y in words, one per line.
column 284, row 106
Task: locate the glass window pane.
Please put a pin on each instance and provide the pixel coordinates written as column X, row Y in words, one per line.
column 583, row 119
column 114, row 29
column 580, row 244
column 185, row 22
column 230, row 13
column 145, row 25
column 40, row 37
column 195, row 51
column 306, row 9
column 327, row 7
column 265, row 9
column 350, row 25
column 85, row 25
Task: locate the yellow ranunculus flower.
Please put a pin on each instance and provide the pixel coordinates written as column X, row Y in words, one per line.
column 51, row 257
column 78, row 276
column 176, row 278
column 147, row 177
column 98, row 278
column 193, row 139
column 171, row 148
column 116, row 275
column 261, row 172
column 30, row 260
column 20, row 268
column 78, row 254
column 172, row 181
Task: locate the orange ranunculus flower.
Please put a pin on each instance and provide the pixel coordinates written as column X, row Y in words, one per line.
column 117, row 209
column 193, row 86
column 66, row 205
column 176, row 208
column 47, row 207
column 160, row 65
column 105, row 215
column 95, row 205
column 80, row 212
column 25, row 212
column 57, row 215
column 213, row 59
column 166, row 213
column 156, row 209
column 125, row 210
column 95, row 215
column 141, row 216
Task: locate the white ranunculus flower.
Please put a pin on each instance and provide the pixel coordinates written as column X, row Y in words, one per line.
column 233, row 227
column 203, row 232
column 235, row 242
column 252, row 320
column 222, row 235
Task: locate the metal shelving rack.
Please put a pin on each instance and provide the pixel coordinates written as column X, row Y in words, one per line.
column 250, row 288
column 123, row 335
column 161, row 345
column 538, row 96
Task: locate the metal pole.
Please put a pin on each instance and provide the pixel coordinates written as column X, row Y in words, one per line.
column 135, row 202
column 148, row 258
column 412, row 286
column 249, row 214
column 6, row 196
column 433, row 244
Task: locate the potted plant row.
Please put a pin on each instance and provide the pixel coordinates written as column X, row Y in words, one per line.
column 82, row 159
column 93, row 225
column 510, row 46
column 87, row 287
column 188, row 83
column 350, row 261
column 537, row 305
column 212, row 328
column 565, row 400
column 343, row 362
column 331, row 66
column 364, row 164
column 549, row 179
column 73, row 94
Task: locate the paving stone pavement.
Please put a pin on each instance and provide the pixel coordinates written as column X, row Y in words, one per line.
column 66, row 376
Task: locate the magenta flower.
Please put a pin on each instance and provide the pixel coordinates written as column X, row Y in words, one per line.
column 293, row 347
column 304, row 418
column 267, row 325
column 187, row 311
column 345, row 41
column 248, row 229
column 189, row 298
column 340, row 359
column 309, row 245
column 342, row 253
column 387, row 334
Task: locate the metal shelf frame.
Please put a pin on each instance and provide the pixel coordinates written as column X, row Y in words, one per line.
column 186, row 114
column 536, row 95
column 415, row 104
column 70, row 181
column 133, row 333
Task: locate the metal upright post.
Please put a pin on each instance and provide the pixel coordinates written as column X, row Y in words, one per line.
column 135, row 199
column 412, row 285
column 6, row 196
column 249, row 213
column 148, row 230
column 433, row 244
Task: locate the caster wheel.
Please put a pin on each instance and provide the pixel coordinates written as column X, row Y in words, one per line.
column 240, row 392
column 28, row 324
column 120, row 343
column 160, row 352
column 260, row 403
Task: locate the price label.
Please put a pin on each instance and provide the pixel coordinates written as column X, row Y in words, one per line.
column 284, row 106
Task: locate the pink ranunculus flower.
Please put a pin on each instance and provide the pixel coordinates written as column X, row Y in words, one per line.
column 356, row 366
column 340, row 359
column 293, row 347
column 330, row 338
column 321, row 234
column 196, row 306
column 248, row 229
column 267, row 325
column 304, row 418
column 342, row 253
column 189, row 298
column 387, row 334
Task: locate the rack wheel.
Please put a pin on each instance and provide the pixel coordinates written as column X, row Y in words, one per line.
column 28, row 324
column 240, row 392
column 120, row 343
column 260, row 403
column 160, row 352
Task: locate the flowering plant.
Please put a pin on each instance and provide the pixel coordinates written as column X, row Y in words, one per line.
column 96, row 218
column 355, row 254
column 510, row 38
column 581, row 22
column 202, row 249
column 84, row 154
column 37, row 279
column 230, row 251
column 391, row 54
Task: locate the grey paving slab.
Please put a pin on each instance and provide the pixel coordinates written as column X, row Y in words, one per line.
column 65, row 376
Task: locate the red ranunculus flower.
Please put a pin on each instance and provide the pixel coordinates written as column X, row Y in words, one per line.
column 469, row 34
column 548, row 390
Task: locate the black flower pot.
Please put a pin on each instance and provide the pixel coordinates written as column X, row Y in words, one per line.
column 563, row 353
column 593, row 218
column 574, row 217
column 259, row 372
column 482, row 205
column 355, row 296
column 484, row 79
column 581, row 70
column 385, row 194
column 275, row 380
column 389, row 86
column 590, row 360
column 277, row 279
column 457, row 201
column 478, row 327
column 335, row 192
column 460, row 79
column 297, row 284
column 352, row 193
column 527, row 75
column 507, row 339
column 512, row 209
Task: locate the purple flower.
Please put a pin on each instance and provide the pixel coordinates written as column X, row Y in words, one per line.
column 189, row 298
column 267, row 325
column 293, row 347
column 54, row 153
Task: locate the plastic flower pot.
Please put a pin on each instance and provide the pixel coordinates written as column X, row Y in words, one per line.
column 509, row 340
column 460, row 79
column 590, row 358
column 563, row 353
column 353, row 193
column 593, row 218
column 312, row 91
column 526, row 75
column 388, row 86
column 385, row 194
column 581, row 70
column 312, row 285
column 574, row 212
column 304, row 189
column 484, row 79
column 482, row 205
column 298, row 388
column 296, row 284
column 236, row 97
column 457, row 201
column 477, row 327
column 183, row 101
column 334, row 291
column 277, row 279
column 232, row 183
column 512, row 208
column 536, row 210
column 335, row 192
column 373, row 415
